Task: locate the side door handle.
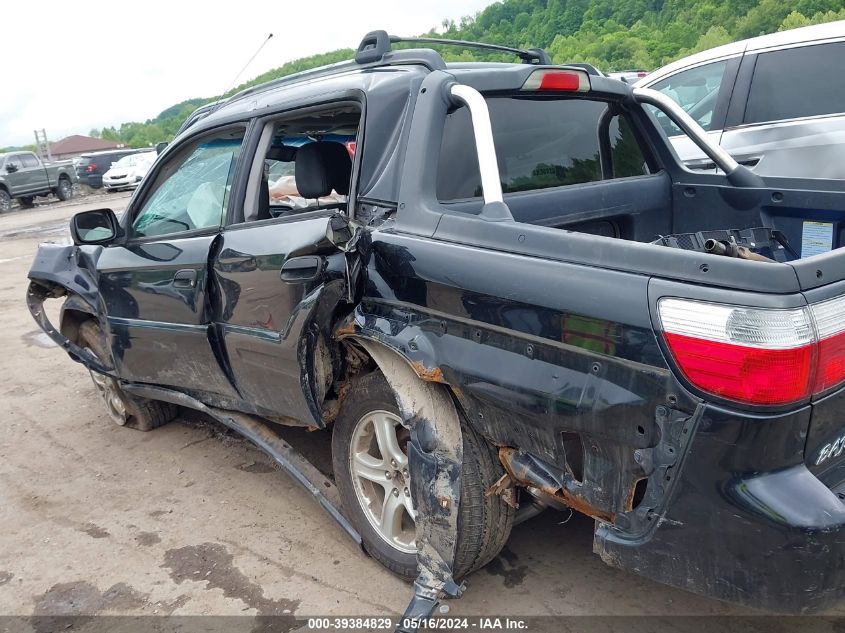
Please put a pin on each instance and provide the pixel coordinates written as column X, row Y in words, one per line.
column 185, row 279
column 302, row 269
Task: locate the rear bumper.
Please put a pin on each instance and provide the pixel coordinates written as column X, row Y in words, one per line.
column 746, row 521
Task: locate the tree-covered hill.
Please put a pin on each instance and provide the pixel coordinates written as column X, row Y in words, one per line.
column 611, row 34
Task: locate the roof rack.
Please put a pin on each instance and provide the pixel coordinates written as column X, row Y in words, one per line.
column 377, row 44
column 376, row 50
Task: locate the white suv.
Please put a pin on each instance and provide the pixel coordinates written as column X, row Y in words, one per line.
column 776, row 103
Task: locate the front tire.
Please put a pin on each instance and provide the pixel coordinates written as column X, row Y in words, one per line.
column 370, row 465
column 64, row 190
column 5, row 200
column 123, row 408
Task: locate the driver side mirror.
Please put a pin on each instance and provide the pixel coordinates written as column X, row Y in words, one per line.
column 11, row 169
column 93, row 227
column 160, row 147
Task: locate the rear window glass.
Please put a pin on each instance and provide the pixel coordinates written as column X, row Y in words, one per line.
column 540, row 143
column 797, row 82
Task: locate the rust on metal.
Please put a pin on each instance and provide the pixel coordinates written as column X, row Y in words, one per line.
column 629, row 499
column 331, row 408
column 345, row 329
column 503, row 483
column 435, row 374
column 521, row 477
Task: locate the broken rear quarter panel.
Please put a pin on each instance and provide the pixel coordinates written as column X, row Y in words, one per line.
column 536, row 351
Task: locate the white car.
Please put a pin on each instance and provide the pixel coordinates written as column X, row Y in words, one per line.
column 776, row 103
column 628, row 76
column 128, row 171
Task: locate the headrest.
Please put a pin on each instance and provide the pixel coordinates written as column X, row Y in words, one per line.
column 321, row 167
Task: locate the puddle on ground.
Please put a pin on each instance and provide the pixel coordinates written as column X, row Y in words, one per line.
column 39, row 339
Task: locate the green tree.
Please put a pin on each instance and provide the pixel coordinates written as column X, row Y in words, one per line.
column 610, row 34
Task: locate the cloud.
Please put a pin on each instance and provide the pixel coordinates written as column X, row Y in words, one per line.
column 114, row 62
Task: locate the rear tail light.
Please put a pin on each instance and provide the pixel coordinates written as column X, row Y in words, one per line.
column 554, row 80
column 829, row 318
column 751, row 355
column 91, row 168
column 757, row 355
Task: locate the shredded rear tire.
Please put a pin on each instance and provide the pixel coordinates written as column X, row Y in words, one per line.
column 484, row 523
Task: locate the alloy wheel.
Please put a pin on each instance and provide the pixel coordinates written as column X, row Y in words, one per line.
column 379, row 468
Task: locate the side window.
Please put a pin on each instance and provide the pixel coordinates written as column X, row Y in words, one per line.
column 626, row 156
column 15, row 161
column 797, row 82
column 191, row 191
column 696, row 91
column 28, row 160
column 540, row 143
column 303, row 163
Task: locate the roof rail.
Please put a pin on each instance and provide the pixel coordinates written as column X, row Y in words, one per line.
column 376, row 50
column 425, row 57
column 377, row 44
column 591, row 70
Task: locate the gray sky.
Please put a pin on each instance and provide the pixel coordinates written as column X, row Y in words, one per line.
column 72, row 67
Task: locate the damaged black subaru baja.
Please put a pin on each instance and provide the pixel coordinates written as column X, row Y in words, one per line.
column 497, row 289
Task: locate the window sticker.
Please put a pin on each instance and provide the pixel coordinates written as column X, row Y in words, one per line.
column 816, row 237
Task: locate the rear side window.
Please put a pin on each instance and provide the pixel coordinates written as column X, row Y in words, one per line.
column 29, row 160
column 797, row 82
column 540, row 143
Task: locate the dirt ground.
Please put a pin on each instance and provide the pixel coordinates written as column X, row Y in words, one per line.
column 98, row 519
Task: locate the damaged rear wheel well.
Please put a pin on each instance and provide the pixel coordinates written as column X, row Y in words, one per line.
column 459, row 528
column 355, row 357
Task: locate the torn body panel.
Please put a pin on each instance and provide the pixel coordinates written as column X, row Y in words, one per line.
column 537, row 371
column 435, row 456
column 60, row 271
column 761, row 499
column 274, row 326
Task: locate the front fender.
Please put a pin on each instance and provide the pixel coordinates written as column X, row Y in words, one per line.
column 70, row 267
column 58, row 271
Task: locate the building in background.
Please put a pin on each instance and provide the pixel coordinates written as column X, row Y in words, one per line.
column 72, row 146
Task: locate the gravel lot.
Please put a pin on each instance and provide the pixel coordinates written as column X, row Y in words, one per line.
column 187, row 519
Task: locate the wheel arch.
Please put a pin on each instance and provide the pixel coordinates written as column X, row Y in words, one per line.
column 420, row 391
column 74, row 312
column 414, row 381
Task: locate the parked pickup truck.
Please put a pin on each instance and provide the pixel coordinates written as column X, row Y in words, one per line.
column 24, row 176
column 497, row 289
